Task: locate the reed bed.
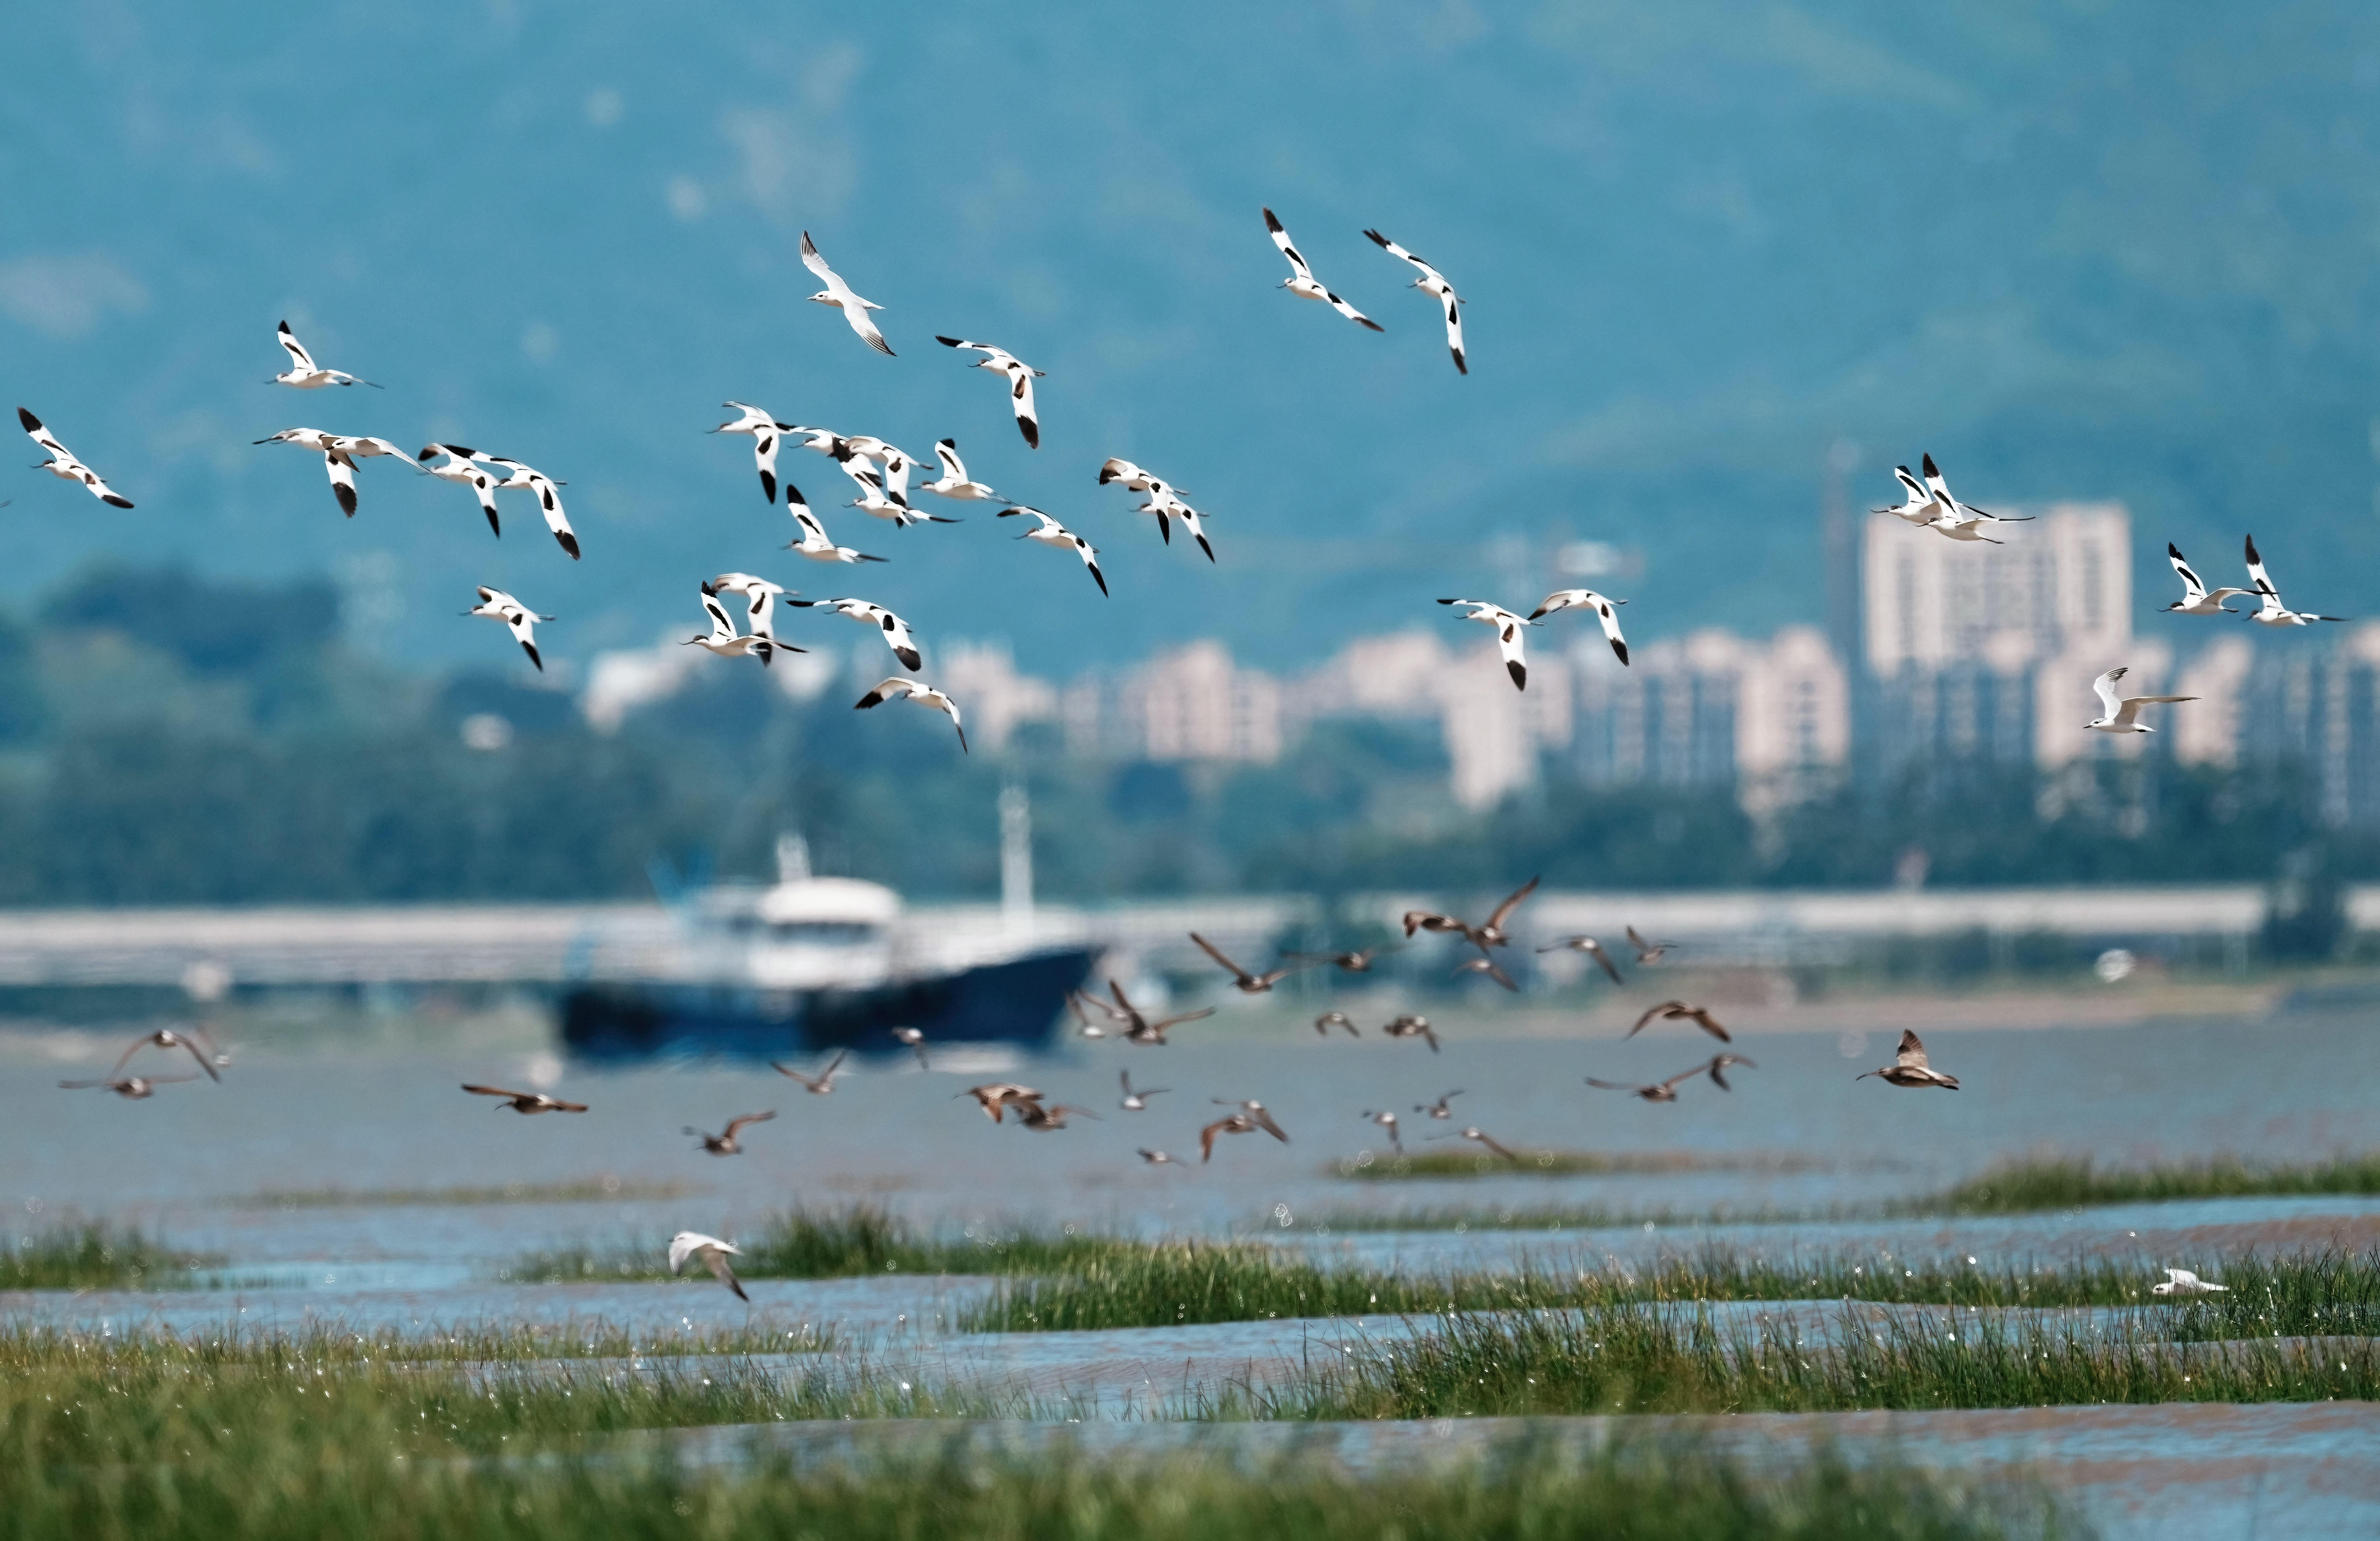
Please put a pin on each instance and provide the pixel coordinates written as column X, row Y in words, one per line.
column 2057, row 1183
column 841, row 1243
column 1370, row 1166
column 96, row 1256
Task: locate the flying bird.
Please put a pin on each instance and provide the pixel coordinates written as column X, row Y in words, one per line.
column 340, row 452
column 955, row 482
column 2270, row 611
column 1021, row 376
column 820, row 1083
column 1678, row 1011
column 170, row 1038
column 1564, row 599
column 839, row 294
column 1388, row 1120
column 1960, row 521
column 714, row 1253
column 1490, row 933
column 304, row 374
column 767, row 435
column 1593, row 949
column 526, row 1102
column 1168, row 508
column 1140, row 1028
column 993, row 1097
column 1049, row 532
column 1133, row 479
column 1918, row 506
column 1667, row 1091
column 1158, row 1157
column 1411, row 1026
column 1489, row 967
column 1472, row 1133
column 1648, row 952
column 1909, row 1067
column 916, row 1042
column 1357, row 961
column 918, row 691
column 723, row 641
column 2121, row 714
column 1508, row 635
column 2182, row 1281
column 549, row 502
column 895, row 630
column 1034, row 1116
column 463, row 465
column 497, row 605
column 815, row 543
column 2196, row 598
column 132, row 1088
column 64, row 466
column 725, row 1143
column 1433, row 284
column 1301, row 281
column 1136, row 1101
column 761, row 601
column 1438, row 1108
column 1328, row 1019
column 1247, row 983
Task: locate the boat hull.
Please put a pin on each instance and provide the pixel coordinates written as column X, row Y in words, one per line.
column 1018, row 1001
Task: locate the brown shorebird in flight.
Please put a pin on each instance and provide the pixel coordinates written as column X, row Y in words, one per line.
column 994, row 1096
column 916, row 1042
column 1082, row 1004
column 1667, row 1091
column 1411, row 1026
column 725, row 1143
column 1593, row 949
column 1486, row 965
column 1141, row 1028
column 131, row 1087
column 1358, row 962
column 1909, row 1067
column 1438, row 1108
column 171, row 1038
column 1678, row 1011
column 1328, row 1019
column 1237, row 1124
column 1254, row 1112
column 1158, row 1157
column 1136, row 1101
column 1647, row 952
column 1246, row 983
column 526, row 1102
column 1388, row 1120
column 714, row 1253
column 1469, row 1132
column 1035, row 1116
column 1490, row 933
column 820, row 1083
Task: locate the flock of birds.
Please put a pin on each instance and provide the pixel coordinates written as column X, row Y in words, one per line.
column 880, row 475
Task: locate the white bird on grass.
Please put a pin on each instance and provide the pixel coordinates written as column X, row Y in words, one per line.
column 1433, row 284
column 1021, row 376
column 724, row 642
column 2182, row 1281
column 2271, row 612
column 462, row 465
column 304, row 374
column 1565, row 599
column 839, row 294
column 920, row 692
column 1049, row 532
column 549, row 501
column 815, row 542
column 1508, row 635
column 713, row 1253
column 497, row 605
column 1910, row 1068
column 954, row 481
column 2121, row 714
column 760, row 597
column 895, row 630
column 767, row 435
column 64, row 466
column 1301, row 281
column 2196, row 598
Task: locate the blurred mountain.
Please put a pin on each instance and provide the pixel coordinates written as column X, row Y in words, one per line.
column 2118, row 249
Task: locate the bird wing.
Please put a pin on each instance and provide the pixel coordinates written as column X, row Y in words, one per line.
column 1281, row 239
column 1504, row 911
column 884, row 691
column 1940, row 489
column 722, row 628
column 1664, row 1009
column 2109, row 705
column 2260, row 579
column 816, row 264
column 1207, row 1136
column 1163, row 1023
column 1919, row 497
column 1393, row 250
column 1264, row 1121
column 1701, row 1018
column 1352, row 313
column 1913, row 1052
column 1612, row 1085
column 1508, row 643
column 716, row 1258
column 341, row 471
column 736, row 1123
column 1454, row 331
column 835, row 1064
column 1608, row 613
column 1498, row 1149
column 43, row 437
column 1020, row 397
column 1716, row 1070
column 492, row 1091
column 1116, row 468
column 857, row 316
column 2192, row 587
column 897, row 638
column 1594, row 950
column 298, row 354
column 1215, row 952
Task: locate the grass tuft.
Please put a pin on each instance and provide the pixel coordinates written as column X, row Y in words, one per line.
column 2060, row 1182
column 1372, row 1167
column 839, row 1243
column 95, row 1256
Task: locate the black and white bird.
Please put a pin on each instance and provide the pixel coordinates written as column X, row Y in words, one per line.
column 895, row 630
column 1133, row 479
column 880, row 498
column 1909, row 1067
column 1049, row 532
column 1960, row 521
column 462, row 465
column 1021, row 376
column 1433, row 284
column 340, row 452
column 549, row 501
column 723, row 641
column 955, row 482
column 839, row 294
column 1917, row 505
column 918, row 691
column 815, row 543
column 1301, row 281
column 1167, row 507
column 2270, row 611
column 2121, row 713
column 1508, row 635
column 2182, row 1282
column 1566, row 598
column 304, row 374
column 767, row 434
column 497, row 605
column 761, row 601
column 2196, row 598
column 713, row 1254
column 64, row 466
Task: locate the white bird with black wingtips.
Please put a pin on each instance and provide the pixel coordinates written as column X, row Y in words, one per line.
column 1301, row 281
column 761, row 601
column 2271, row 612
column 1433, row 284
column 549, row 501
column 64, row 466
column 1165, row 505
column 340, row 452
column 815, row 543
column 1568, row 599
column 462, row 465
column 767, row 435
column 920, row 692
column 2196, row 598
column 497, row 605
column 1917, row 506
column 1134, row 480
column 1508, row 635
column 839, row 294
column 895, row 630
column 2121, row 713
column 955, row 482
column 304, row 374
column 1049, row 532
column 724, row 642
column 1960, row 521
column 1021, row 376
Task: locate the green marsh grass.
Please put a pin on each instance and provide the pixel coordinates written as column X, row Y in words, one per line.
column 96, row 1256
column 1368, row 1166
column 841, row 1243
column 2057, row 1183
